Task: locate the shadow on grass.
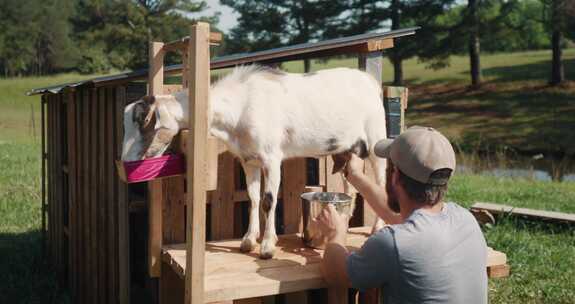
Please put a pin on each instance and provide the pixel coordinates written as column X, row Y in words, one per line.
column 532, row 71
column 526, row 117
column 25, row 276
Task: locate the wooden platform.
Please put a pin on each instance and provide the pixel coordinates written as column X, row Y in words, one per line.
column 524, row 212
column 232, row 275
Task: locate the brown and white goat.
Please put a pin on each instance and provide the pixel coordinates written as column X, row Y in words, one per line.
column 265, row 116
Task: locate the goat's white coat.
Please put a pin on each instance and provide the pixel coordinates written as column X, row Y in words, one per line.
column 266, row 116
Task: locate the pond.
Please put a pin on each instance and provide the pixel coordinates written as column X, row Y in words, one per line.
column 537, row 167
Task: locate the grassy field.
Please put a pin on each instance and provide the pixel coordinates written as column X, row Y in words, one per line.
column 514, row 110
column 505, row 112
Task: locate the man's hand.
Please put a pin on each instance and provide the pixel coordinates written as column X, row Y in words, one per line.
column 354, row 166
column 332, row 224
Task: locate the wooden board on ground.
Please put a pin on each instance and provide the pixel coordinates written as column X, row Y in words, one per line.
column 230, row 274
column 531, row 213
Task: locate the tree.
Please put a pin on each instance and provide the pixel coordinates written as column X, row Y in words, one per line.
column 267, row 24
column 115, row 34
column 35, row 37
column 558, row 10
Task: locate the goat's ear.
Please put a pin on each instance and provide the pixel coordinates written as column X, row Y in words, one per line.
column 149, row 99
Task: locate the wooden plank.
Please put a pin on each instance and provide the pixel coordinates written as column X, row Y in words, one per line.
column 530, row 213
column 72, row 177
column 155, row 87
column 102, row 200
column 174, row 208
column 498, row 271
column 199, row 56
column 182, row 44
column 222, row 207
column 371, row 63
column 378, row 45
column 233, row 275
column 111, row 210
column 94, row 197
column 294, row 179
column 121, row 201
column 81, row 199
column 51, row 178
column 43, row 170
column 155, row 198
column 156, row 69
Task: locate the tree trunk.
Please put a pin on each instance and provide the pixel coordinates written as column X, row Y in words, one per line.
column 397, row 70
column 557, row 73
column 395, row 57
column 306, row 65
column 474, row 60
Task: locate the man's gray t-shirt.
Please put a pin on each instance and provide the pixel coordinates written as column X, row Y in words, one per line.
column 430, row 258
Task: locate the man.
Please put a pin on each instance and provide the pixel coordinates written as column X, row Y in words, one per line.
column 431, row 251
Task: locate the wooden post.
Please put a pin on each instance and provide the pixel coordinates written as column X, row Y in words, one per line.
column 43, row 172
column 371, row 62
column 122, row 205
column 199, row 84
column 155, row 83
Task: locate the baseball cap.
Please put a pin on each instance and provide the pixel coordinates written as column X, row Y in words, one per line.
column 418, row 152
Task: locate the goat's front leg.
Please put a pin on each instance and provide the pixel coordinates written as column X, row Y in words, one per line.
column 272, row 173
column 253, row 181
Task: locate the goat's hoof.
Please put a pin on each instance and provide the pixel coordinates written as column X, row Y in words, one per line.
column 267, row 254
column 268, row 249
column 248, row 245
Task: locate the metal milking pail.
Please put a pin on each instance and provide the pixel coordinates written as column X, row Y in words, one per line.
column 313, row 203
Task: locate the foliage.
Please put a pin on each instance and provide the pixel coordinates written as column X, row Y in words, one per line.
column 41, row 37
column 266, row 24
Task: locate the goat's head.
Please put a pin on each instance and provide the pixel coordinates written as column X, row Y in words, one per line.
column 148, row 127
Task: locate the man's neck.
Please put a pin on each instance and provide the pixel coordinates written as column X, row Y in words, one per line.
column 409, row 207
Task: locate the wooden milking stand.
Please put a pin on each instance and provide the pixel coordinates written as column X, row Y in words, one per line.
column 188, row 268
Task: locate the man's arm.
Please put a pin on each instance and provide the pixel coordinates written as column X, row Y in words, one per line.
column 374, row 194
column 333, row 264
column 371, row 266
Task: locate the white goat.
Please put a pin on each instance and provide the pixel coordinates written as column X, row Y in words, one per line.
column 265, row 116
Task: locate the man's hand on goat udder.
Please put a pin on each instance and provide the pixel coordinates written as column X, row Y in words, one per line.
column 354, row 166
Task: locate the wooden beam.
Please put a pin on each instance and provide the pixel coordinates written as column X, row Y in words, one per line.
column 199, row 84
column 155, row 87
column 231, row 275
column 122, row 204
column 530, row 213
column 371, row 63
column 155, row 198
column 182, row 44
column 156, row 69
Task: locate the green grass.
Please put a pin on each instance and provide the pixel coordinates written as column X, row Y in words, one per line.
column 20, row 114
column 25, row 277
column 515, row 109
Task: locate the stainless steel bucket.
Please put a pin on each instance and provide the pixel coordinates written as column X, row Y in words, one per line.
column 313, row 204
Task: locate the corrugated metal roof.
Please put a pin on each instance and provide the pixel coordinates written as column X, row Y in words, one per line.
column 292, row 52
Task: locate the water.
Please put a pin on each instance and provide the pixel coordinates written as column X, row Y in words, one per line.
column 537, row 167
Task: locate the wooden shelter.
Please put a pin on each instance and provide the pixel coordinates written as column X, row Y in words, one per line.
column 118, row 243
